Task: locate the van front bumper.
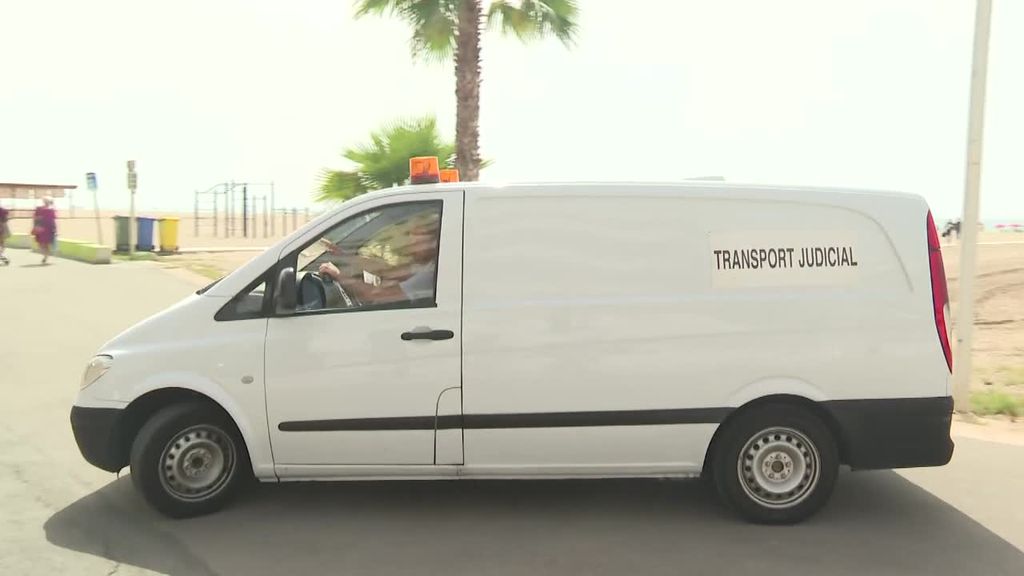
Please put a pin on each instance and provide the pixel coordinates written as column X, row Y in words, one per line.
column 894, row 433
column 97, row 433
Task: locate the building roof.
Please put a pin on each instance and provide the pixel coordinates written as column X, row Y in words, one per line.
column 29, row 191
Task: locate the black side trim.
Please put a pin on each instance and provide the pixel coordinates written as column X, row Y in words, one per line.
column 605, row 418
column 97, row 433
column 356, row 424
column 894, row 432
column 874, row 433
column 528, row 420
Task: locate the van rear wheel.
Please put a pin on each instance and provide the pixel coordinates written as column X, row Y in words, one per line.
column 188, row 460
column 776, row 464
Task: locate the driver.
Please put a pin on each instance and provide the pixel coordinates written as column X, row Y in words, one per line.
column 413, row 281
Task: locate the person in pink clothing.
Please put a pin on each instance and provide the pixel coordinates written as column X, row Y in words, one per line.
column 44, row 227
column 5, row 231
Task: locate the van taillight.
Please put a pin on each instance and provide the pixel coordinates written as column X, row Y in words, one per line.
column 940, row 296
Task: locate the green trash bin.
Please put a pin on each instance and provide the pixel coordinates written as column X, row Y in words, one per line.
column 122, row 233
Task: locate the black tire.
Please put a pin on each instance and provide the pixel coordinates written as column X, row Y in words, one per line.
column 800, row 455
column 175, row 439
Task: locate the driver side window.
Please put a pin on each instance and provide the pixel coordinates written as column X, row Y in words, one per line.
column 382, row 258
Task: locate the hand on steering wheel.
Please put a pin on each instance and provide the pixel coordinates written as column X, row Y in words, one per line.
column 330, row 277
column 330, row 270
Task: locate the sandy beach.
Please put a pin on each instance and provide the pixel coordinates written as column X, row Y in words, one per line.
column 999, row 310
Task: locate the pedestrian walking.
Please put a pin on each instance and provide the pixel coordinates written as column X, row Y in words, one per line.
column 5, row 231
column 44, row 227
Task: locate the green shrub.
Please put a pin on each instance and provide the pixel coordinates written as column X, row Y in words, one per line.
column 994, row 402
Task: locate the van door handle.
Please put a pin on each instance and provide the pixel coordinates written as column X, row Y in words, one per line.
column 427, row 334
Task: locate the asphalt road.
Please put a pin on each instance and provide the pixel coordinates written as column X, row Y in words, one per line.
column 60, row 515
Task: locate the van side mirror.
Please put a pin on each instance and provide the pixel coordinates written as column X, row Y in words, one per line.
column 286, row 291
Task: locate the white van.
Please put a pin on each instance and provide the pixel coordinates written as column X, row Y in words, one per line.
column 758, row 336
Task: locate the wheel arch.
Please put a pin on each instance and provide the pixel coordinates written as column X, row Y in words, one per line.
column 141, row 409
column 811, row 406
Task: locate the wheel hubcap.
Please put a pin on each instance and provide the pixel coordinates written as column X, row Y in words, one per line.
column 197, row 463
column 778, row 467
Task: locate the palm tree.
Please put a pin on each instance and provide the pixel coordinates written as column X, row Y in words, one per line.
column 445, row 28
column 383, row 161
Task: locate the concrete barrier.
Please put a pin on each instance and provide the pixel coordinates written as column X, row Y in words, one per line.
column 71, row 249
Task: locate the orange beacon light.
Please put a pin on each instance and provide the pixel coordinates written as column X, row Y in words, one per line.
column 424, row 170
column 449, row 175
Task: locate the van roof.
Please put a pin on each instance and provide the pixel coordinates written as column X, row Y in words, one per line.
column 659, row 187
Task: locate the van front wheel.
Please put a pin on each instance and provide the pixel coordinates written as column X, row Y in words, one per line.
column 776, row 464
column 187, row 460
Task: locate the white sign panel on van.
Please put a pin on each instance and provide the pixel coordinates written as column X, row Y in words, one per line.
column 783, row 258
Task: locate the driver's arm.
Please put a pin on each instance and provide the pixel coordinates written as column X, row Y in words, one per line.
column 390, row 291
column 332, row 271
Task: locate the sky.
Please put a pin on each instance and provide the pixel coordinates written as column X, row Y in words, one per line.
column 872, row 93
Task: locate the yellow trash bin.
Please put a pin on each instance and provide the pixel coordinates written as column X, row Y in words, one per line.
column 168, row 235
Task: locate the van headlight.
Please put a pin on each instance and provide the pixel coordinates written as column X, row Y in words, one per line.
column 97, row 367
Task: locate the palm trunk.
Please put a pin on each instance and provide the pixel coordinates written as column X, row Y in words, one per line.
column 467, row 90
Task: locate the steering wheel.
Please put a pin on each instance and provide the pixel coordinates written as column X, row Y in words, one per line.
column 336, row 290
column 317, row 292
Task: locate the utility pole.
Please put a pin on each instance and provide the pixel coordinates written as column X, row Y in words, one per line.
column 972, row 186
column 245, row 211
column 215, row 208
column 230, row 217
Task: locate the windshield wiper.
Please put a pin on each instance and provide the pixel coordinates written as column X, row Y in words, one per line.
column 208, row 286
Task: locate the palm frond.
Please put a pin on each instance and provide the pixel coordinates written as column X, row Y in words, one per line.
column 376, row 7
column 339, row 185
column 383, row 160
column 433, row 23
column 534, row 19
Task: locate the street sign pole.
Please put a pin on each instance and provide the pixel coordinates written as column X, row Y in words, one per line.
column 90, row 181
column 969, row 224
column 132, row 184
